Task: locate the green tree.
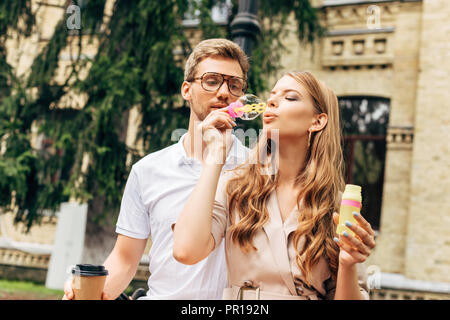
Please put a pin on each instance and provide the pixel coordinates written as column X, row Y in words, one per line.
column 136, row 66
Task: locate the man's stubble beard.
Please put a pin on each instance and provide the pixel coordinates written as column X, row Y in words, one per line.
column 199, row 115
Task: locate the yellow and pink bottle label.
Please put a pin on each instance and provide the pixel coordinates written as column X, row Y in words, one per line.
column 346, row 214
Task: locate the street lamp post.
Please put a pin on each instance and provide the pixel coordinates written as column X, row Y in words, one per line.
column 245, row 26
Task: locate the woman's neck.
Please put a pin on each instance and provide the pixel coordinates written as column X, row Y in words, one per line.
column 292, row 156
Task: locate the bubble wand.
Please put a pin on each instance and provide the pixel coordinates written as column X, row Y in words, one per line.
column 247, row 107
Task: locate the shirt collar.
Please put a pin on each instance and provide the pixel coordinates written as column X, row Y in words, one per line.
column 183, row 158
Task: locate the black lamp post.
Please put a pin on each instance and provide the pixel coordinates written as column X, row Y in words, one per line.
column 245, row 26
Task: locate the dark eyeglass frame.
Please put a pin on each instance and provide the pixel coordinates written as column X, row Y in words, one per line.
column 226, row 78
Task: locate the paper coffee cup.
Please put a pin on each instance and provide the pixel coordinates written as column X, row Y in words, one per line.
column 88, row 281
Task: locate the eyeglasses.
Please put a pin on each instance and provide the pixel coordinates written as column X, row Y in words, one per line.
column 212, row 81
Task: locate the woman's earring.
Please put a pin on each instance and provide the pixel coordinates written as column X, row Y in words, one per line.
column 309, row 139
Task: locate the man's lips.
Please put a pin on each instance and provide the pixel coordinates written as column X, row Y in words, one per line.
column 219, row 106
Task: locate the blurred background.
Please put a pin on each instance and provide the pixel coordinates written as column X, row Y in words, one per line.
column 89, row 87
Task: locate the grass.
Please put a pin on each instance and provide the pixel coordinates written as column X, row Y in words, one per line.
column 22, row 290
column 26, row 290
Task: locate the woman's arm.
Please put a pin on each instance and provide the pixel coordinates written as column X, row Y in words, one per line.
column 347, row 287
column 192, row 239
column 353, row 250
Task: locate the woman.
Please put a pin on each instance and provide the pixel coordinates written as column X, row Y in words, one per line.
column 276, row 213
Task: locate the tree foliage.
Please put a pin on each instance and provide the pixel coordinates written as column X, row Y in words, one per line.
column 139, row 63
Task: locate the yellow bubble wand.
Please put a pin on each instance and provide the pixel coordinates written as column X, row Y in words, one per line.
column 247, row 107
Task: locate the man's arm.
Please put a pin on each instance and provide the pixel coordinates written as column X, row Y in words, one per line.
column 122, row 264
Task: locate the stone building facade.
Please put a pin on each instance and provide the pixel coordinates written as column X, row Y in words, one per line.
column 397, row 52
column 403, row 58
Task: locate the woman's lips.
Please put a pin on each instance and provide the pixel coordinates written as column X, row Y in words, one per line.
column 269, row 117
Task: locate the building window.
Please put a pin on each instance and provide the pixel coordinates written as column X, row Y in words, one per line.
column 364, row 122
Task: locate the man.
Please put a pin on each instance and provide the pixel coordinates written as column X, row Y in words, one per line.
column 160, row 184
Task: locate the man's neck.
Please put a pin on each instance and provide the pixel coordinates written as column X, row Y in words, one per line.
column 193, row 142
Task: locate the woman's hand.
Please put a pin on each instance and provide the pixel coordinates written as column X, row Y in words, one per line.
column 355, row 249
column 216, row 133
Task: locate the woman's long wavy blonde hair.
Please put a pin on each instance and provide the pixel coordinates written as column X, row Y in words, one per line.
column 321, row 182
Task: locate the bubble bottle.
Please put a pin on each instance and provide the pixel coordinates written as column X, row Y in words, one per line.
column 351, row 202
column 247, row 107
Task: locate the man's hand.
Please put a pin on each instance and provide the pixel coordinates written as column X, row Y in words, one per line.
column 216, row 133
column 69, row 294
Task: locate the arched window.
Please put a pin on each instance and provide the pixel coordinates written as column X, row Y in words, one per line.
column 364, row 122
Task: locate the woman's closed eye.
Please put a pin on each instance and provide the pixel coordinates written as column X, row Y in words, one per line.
column 291, row 98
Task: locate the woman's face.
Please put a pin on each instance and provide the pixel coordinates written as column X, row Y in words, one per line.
column 289, row 109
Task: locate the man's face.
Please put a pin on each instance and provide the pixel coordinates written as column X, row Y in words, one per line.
column 202, row 102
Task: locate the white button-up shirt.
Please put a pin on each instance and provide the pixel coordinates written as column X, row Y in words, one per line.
column 157, row 189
